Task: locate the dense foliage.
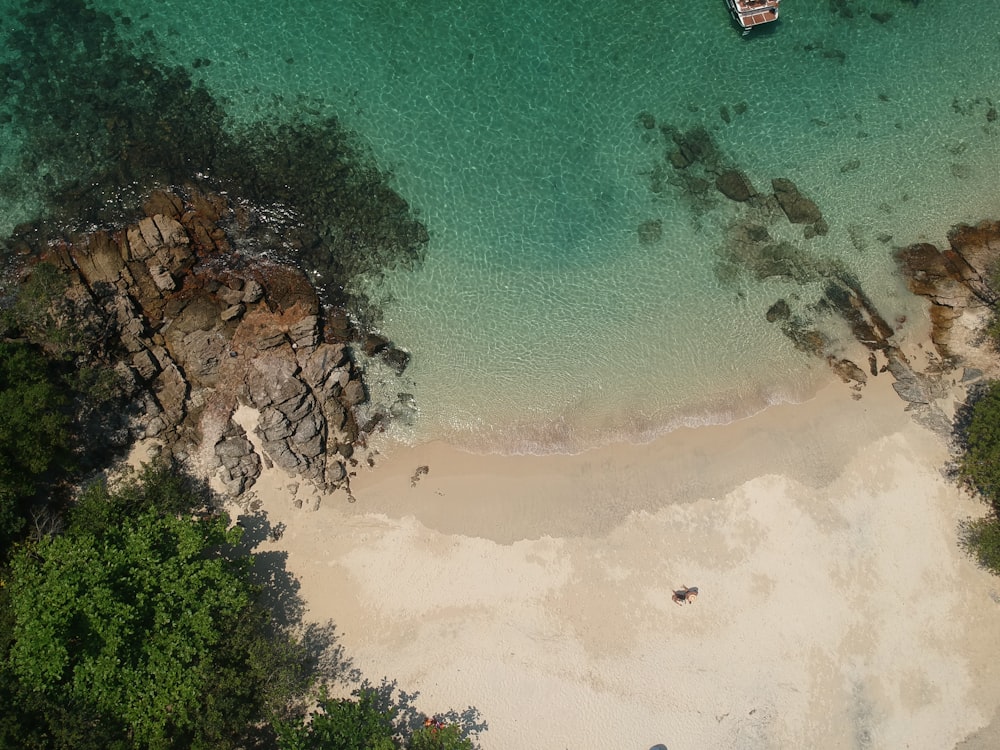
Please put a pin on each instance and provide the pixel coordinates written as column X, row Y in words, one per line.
column 346, row 724
column 980, row 464
column 447, row 737
column 979, row 467
column 367, row 722
column 981, row 538
column 141, row 626
column 146, row 619
column 35, row 438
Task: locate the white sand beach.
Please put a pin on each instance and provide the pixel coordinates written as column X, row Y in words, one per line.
column 836, row 609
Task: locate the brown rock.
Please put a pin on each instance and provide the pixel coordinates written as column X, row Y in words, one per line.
column 232, row 312
column 373, row 344
column 798, row 208
column 354, row 393
column 847, row 370
column 271, row 380
column 145, row 364
column 163, row 202
column 304, row 332
column 253, row 292
column 954, row 279
column 170, row 230
column 137, row 245
column 200, row 353
column 320, row 367
column 229, row 295
column 98, row 258
column 161, row 277
column 335, row 472
column 397, row 359
column 735, row 185
column 932, row 273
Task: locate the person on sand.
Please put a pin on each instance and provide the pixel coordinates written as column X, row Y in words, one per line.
column 685, row 595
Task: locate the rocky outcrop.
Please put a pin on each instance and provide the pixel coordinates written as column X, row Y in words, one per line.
column 756, row 249
column 798, row 208
column 957, row 282
column 845, row 298
column 205, row 331
column 698, row 164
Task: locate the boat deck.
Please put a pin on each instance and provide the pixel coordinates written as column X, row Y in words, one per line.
column 751, row 13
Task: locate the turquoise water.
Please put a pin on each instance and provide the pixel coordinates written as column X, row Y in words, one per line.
column 540, row 321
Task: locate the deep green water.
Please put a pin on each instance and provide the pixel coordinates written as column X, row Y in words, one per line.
column 539, row 320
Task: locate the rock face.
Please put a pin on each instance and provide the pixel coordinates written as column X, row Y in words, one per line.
column 205, row 331
column 956, row 280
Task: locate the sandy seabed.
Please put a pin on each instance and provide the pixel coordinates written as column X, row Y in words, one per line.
column 836, row 608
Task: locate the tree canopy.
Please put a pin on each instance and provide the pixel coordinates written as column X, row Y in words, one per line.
column 344, row 724
column 980, row 464
column 148, row 619
column 35, row 436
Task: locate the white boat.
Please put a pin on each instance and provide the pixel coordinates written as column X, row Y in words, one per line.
column 749, row 14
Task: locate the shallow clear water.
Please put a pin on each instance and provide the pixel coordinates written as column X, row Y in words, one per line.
column 540, row 321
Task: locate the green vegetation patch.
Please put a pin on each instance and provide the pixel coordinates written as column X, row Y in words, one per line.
column 148, row 618
column 980, row 464
column 35, row 434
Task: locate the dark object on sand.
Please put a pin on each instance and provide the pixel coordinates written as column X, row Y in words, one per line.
column 685, row 595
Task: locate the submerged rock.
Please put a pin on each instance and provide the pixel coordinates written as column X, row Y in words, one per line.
column 798, row 208
column 650, row 232
column 735, row 185
column 778, row 311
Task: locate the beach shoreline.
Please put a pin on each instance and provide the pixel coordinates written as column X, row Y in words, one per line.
column 836, row 607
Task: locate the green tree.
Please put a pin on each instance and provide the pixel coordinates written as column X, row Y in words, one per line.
column 35, row 436
column 447, row 737
column 149, row 621
column 980, row 537
column 980, row 464
column 979, row 467
column 341, row 724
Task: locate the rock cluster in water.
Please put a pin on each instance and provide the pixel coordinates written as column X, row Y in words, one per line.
column 201, row 330
column 694, row 164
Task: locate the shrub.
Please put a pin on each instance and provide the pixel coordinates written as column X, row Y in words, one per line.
column 146, row 618
column 341, row 724
column 980, row 464
column 981, row 539
column 35, row 434
column 447, row 737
